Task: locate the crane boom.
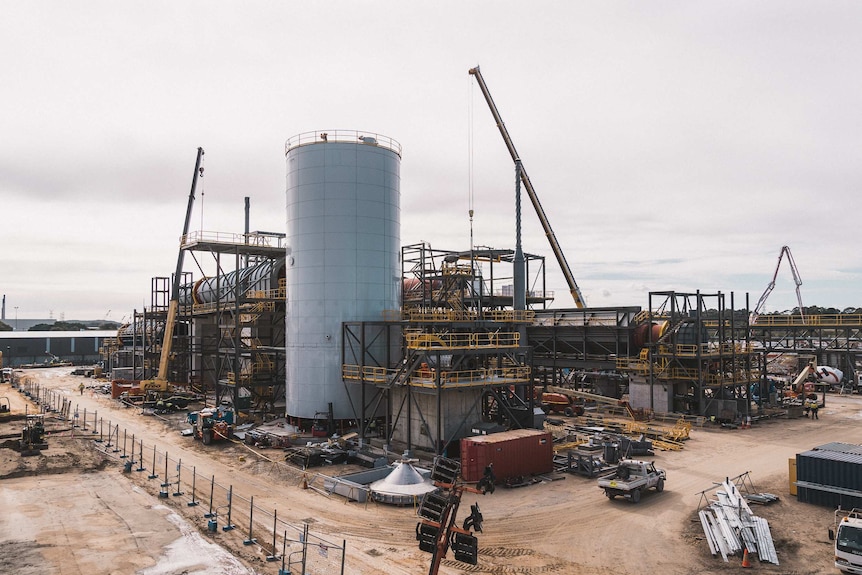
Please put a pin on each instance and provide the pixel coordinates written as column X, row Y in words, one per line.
column 531, row 192
column 796, row 278
column 161, row 381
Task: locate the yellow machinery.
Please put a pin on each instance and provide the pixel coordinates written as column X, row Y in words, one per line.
column 160, row 383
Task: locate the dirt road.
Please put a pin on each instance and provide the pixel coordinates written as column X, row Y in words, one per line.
column 564, row 526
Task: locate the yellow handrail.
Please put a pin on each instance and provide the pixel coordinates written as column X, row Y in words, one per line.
column 484, row 340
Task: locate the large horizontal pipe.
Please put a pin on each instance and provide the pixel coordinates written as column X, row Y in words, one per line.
column 262, row 277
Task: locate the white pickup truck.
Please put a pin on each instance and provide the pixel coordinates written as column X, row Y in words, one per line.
column 631, row 478
column 847, row 534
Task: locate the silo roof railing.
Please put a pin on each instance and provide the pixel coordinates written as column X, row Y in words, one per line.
column 343, row 137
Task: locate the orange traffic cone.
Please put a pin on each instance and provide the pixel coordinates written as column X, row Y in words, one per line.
column 745, row 561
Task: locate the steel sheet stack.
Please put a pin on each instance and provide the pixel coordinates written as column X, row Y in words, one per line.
column 731, row 528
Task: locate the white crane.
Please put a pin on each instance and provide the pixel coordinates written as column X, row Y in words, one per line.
column 796, row 278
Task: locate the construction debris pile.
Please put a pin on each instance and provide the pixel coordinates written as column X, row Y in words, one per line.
column 596, row 445
column 732, row 529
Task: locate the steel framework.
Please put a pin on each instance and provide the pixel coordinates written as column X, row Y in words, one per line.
column 454, row 354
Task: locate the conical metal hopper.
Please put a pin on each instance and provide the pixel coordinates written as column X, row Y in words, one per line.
column 402, row 486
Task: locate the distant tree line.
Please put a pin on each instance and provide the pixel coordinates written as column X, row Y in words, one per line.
column 807, row 310
column 67, row 326
column 75, row 326
column 707, row 314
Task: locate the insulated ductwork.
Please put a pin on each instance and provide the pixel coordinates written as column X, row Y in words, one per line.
column 222, row 288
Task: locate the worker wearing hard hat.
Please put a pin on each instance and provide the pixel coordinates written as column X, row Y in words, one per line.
column 815, row 406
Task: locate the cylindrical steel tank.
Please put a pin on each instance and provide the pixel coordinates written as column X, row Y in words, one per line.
column 344, row 238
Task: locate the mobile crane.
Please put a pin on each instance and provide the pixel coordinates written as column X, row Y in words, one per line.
column 796, row 278
column 160, row 383
column 525, row 179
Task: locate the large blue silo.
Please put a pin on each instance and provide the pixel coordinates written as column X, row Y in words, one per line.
column 343, row 238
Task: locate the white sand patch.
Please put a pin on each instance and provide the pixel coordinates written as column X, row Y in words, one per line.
column 193, row 555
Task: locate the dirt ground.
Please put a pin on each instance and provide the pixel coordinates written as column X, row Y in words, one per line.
column 72, row 510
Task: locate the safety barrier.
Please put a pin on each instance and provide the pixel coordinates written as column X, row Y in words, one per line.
column 292, row 547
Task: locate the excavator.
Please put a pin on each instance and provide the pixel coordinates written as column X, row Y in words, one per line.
column 531, row 192
column 160, row 384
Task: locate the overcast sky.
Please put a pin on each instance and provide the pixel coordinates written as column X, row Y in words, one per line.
column 674, row 145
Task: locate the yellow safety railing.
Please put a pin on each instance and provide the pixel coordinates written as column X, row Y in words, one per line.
column 809, row 320
column 632, row 364
column 705, row 349
column 427, row 377
column 367, row 373
column 644, row 315
column 494, row 376
column 263, row 364
column 278, row 293
column 511, row 315
column 642, row 367
column 456, row 269
column 442, row 316
column 486, row 340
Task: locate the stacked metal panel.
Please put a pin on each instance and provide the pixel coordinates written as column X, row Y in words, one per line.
column 731, row 528
column 830, row 475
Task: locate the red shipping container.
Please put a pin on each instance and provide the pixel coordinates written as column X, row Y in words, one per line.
column 514, row 453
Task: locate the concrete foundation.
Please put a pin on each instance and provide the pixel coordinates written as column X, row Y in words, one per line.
column 657, row 396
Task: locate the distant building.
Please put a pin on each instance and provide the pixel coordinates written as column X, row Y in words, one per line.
column 79, row 347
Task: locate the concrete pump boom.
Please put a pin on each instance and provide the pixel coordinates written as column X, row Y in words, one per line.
column 546, row 225
column 796, row 278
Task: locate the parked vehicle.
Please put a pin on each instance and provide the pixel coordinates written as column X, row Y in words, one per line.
column 847, row 534
column 631, row 478
column 33, row 437
column 558, row 402
column 212, row 424
column 171, row 404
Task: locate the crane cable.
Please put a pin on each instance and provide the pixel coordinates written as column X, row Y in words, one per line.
column 470, row 158
column 201, row 173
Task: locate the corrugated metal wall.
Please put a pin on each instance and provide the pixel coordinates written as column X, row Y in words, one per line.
column 830, row 475
column 515, row 453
